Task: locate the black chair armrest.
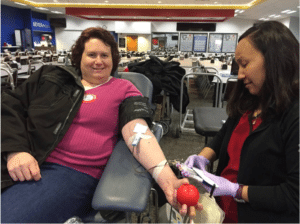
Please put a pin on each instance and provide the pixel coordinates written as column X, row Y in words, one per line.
column 125, row 184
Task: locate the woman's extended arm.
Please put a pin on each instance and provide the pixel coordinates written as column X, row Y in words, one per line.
column 149, row 154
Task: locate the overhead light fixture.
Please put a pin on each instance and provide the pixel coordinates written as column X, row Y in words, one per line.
column 41, row 8
column 57, row 12
column 277, row 16
column 290, row 12
column 264, row 19
column 286, row 11
column 272, row 15
column 239, row 11
column 235, row 14
column 20, row 4
column 106, row 1
column 159, row 2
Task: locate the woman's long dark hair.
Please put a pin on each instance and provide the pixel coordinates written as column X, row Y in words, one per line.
column 101, row 34
column 280, row 50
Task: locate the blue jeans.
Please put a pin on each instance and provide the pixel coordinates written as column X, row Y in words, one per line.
column 61, row 194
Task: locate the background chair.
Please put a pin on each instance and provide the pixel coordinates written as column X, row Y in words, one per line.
column 32, row 68
column 125, row 185
column 9, row 77
column 189, row 118
column 209, row 120
column 229, row 87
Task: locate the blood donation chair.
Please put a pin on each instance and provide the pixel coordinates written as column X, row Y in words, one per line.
column 125, row 185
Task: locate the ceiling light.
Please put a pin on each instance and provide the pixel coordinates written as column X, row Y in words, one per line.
column 235, row 14
column 216, row 2
column 20, row 4
column 285, row 11
column 241, row 11
column 57, row 12
column 55, row 1
column 277, row 16
column 41, row 8
column 106, row 1
column 237, row 10
column 272, row 15
column 290, row 12
column 159, row 2
column 264, row 19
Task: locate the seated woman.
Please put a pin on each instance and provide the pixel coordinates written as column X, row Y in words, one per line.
column 59, row 129
column 258, row 146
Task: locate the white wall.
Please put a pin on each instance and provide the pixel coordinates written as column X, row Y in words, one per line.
column 65, row 37
column 133, row 27
column 144, row 43
column 294, row 26
column 285, row 21
column 232, row 25
column 162, row 27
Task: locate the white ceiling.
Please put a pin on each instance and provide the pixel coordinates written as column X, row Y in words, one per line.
column 261, row 9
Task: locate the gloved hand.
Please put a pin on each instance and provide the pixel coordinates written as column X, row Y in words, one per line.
column 197, row 161
column 226, row 187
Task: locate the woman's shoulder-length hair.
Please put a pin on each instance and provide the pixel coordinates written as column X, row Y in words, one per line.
column 99, row 33
column 280, row 50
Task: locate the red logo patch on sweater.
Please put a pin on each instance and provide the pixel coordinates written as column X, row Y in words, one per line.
column 89, row 98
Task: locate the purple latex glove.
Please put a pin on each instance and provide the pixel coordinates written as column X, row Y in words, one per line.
column 226, row 187
column 197, row 161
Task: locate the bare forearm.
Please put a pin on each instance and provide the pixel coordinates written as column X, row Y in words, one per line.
column 148, row 151
column 208, row 153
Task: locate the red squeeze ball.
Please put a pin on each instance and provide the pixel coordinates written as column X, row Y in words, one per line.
column 188, row 194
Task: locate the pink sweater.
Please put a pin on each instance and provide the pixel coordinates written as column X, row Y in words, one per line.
column 92, row 136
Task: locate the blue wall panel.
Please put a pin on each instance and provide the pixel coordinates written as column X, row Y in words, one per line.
column 11, row 20
column 18, row 19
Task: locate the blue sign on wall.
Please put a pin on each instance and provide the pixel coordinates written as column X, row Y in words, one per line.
column 41, row 25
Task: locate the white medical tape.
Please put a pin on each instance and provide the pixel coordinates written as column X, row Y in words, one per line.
column 142, row 136
column 158, row 169
column 139, row 129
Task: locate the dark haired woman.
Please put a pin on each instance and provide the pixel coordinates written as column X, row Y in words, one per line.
column 257, row 147
column 59, row 129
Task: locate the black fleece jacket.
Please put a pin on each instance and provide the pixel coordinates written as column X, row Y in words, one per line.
column 36, row 116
